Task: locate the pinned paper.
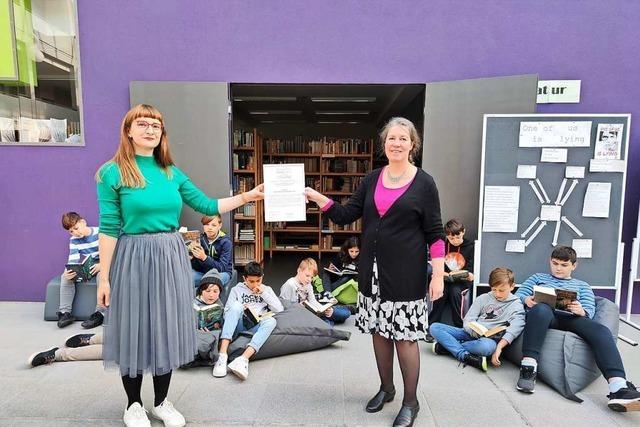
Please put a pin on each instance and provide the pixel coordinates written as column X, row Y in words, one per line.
column 515, row 246
column 554, row 155
column 606, row 165
column 583, row 247
column 596, row 200
column 501, row 204
column 550, row 212
column 574, row 172
column 608, row 141
column 526, row 171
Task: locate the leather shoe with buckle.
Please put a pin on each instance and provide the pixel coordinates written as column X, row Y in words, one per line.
column 406, row 416
column 377, row 402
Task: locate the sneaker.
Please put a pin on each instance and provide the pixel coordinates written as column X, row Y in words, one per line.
column 42, row 358
column 80, row 340
column 169, row 415
column 479, row 362
column 240, row 367
column 65, row 319
column 136, row 416
column 220, row 367
column 527, row 380
column 438, row 349
column 94, row 320
column 625, row 399
column 429, row 338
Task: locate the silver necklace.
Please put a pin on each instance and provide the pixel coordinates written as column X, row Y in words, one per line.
column 396, row 179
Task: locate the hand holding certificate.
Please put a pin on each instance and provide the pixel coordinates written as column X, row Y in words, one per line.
column 284, row 196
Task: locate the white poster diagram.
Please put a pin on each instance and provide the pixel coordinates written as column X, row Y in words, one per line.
column 550, row 212
column 555, row 134
column 500, row 213
column 608, row 141
column 284, row 192
column 596, row 200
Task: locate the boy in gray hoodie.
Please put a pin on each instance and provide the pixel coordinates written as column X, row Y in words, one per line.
column 496, row 308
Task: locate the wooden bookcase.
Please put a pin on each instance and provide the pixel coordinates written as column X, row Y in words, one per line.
column 333, row 166
column 248, row 223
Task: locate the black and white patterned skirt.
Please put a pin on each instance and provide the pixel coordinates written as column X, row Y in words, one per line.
column 399, row 320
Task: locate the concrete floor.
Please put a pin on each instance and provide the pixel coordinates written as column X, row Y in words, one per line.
column 321, row 388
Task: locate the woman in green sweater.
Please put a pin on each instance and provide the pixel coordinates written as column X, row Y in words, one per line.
column 146, row 280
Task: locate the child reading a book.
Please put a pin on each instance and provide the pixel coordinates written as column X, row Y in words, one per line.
column 213, row 251
column 493, row 321
column 207, row 305
column 458, row 276
column 82, row 243
column 252, row 295
column 346, row 260
column 298, row 289
column 540, row 317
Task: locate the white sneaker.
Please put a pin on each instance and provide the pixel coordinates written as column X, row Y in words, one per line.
column 169, row 415
column 240, row 367
column 220, row 367
column 136, row 416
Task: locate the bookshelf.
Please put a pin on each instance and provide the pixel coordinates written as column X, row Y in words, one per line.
column 333, row 166
column 248, row 219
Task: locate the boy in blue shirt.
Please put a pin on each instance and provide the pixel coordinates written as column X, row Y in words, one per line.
column 540, row 317
column 214, row 251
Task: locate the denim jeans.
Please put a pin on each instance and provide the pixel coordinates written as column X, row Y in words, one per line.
column 197, row 276
column 458, row 342
column 68, row 293
column 340, row 315
column 234, row 324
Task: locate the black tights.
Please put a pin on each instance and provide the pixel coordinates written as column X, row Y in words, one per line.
column 409, row 359
column 132, row 387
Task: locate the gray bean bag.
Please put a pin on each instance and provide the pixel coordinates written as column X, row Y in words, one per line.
column 298, row 330
column 566, row 362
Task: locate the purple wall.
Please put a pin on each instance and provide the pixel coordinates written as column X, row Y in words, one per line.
column 307, row 42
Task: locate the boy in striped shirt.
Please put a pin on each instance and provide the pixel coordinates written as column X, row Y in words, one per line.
column 540, row 317
column 83, row 242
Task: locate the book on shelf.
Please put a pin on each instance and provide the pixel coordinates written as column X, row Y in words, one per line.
column 318, row 308
column 256, row 317
column 209, row 317
column 344, row 272
column 558, row 299
column 242, row 138
column 483, row 331
column 82, row 268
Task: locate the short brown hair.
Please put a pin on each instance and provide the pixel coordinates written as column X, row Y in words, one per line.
column 70, row 219
column 501, row 275
column 311, row 264
column 206, row 219
column 454, row 226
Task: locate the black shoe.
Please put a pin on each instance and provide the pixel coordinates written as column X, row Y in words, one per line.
column 429, row 338
column 353, row 309
column 65, row 319
column 80, row 340
column 94, row 320
column 438, row 349
column 406, row 416
column 479, row 362
column 377, row 402
column 527, row 380
column 42, row 358
column 625, row 399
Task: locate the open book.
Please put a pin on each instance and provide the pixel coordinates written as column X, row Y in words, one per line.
column 317, row 308
column 209, row 316
column 334, row 270
column 82, row 268
column 558, row 299
column 483, row 331
column 256, row 317
column 455, row 275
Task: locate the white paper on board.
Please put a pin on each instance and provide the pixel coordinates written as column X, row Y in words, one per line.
column 515, row 246
column 574, row 172
column 608, row 141
column 606, row 165
column 555, row 134
column 500, row 213
column 583, row 247
column 284, row 192
column 526, row 171
column 596, row 200
column 550, row 212
column 554, row 155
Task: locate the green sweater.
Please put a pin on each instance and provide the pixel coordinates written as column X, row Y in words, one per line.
column 154, row 208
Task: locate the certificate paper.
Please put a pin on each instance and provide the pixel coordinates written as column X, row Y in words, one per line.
column 501, row 209
column 596, row 200
column 284, row 193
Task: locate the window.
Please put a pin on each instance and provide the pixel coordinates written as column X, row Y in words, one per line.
column 39, row 77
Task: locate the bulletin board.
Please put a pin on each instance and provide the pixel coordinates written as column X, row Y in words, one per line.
column 545, row 181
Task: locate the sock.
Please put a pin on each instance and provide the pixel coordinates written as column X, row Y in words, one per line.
column 222, row 356
column 616, row 384
column 529, row 361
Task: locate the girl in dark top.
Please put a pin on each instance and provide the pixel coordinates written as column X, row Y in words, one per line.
column 346, row 259
column 400, row 211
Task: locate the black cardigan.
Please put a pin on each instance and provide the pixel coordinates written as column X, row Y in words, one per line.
column 399, row 240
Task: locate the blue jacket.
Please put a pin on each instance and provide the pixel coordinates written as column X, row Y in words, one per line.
column 218, row 254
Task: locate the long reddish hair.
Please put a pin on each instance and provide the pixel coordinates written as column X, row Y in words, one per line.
column 130, row 175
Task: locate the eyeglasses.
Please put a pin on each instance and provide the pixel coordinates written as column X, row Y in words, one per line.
column 143, row 126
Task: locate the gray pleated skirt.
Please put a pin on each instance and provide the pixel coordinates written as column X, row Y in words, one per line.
column 149, row 326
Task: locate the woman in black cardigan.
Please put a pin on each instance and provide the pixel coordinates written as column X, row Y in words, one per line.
column 401, row 223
